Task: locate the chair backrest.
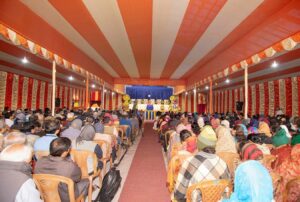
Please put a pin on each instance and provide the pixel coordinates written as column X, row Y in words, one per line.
column 84, row 159
column 109, row 130
column 105, row 146
column 167, row 135
column 211, row 190
column 48, row 186
column 174, row 168
column 231, row 159
column 40, row 154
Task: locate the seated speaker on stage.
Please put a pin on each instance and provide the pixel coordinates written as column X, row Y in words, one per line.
column 149, row 106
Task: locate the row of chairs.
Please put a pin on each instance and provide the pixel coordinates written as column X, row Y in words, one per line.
column 211, row 190
column 48, row 184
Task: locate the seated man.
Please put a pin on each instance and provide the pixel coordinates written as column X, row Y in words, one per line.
column 73, row 131
column 205, row 165
column 59, row 163
column 14, row 138
column 125, row 121
column 15, row 173
column 52, row 129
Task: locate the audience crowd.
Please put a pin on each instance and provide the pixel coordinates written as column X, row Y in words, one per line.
column 259, row 156
column 34, row 142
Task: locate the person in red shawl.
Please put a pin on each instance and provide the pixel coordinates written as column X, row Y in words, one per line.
column 289, row 169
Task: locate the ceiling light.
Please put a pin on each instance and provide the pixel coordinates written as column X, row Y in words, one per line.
column 274, row 64
column 227, row 81
column 24, row 60
column 149, row 95
column 104, row 90
column 71, row 78
column 186, row 93
column 194, row 90
column 112, row 93
column 206, row 87
column 93, row 85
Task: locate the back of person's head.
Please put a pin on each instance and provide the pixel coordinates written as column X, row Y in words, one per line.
column 195, row 128
column 209, row 150
column 89, row 120
column 17, row 153
column 14, row 138
column 251, row 152
column 87, row 133
column 106, row 120
column 184, row 134
column 59, row 145
column 51, row 125
column 76, row 124
column 27, row 127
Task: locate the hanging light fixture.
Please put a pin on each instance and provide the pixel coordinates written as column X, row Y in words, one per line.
column 25, row 60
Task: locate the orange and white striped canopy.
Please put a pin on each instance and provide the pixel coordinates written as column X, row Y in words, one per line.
column 157, row 41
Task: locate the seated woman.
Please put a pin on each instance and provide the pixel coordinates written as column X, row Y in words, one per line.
column 289, row 169
column 225, row 141
column 207, row 138
column 282, row 147
column 252, row 181
column 85, row 142
column 260, row 140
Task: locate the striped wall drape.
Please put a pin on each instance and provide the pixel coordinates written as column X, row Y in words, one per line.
column 263, row 98
column 17, row 91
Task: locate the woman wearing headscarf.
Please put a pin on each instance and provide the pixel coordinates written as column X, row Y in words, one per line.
column 225, row 141
column 85, row 142
column 207, row 138
column 264, row 128
column 282, row 147
column 252, row 181
column 240, row 132
column 225, row 123
column 289, row 168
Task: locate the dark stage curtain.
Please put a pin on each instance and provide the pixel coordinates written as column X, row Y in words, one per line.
column 143, row 92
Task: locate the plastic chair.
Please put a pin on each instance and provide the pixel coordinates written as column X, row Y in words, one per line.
column 48, row 186
column 82, row 157
column 106, row 148
column 231, row 159
column 174, row 168
column 211, row 190
column 122, row 129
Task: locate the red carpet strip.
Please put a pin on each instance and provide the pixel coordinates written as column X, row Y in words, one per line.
column 146, row 180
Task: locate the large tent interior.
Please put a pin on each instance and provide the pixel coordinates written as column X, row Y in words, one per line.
column 155, row 58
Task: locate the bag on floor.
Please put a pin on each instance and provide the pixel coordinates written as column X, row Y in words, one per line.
column 110, row 185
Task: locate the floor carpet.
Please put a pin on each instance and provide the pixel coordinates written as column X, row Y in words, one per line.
column 146, row 180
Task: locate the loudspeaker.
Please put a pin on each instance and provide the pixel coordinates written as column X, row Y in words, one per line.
column 239, row 106
column 57, row 102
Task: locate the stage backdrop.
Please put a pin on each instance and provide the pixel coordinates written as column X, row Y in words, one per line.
column 143, row 92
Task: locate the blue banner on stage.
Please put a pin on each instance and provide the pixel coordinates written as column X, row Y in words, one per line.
column 149, row 92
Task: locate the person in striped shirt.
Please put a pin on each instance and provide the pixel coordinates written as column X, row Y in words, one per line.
column 205, row 165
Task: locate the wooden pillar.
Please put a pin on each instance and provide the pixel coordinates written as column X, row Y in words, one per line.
column 210, row 97
column 53, row 87
column 102, row 99
column 87, row 104
column 195, row 99
column 246, row 93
